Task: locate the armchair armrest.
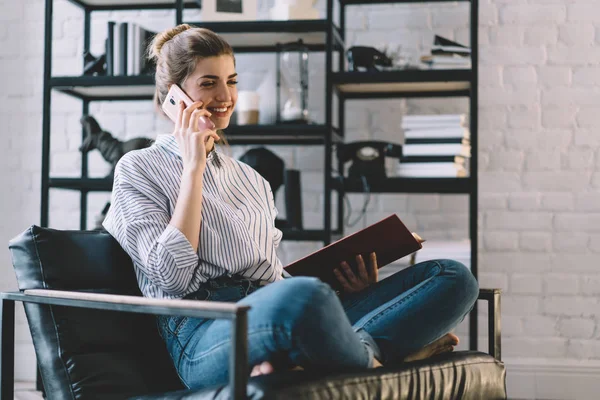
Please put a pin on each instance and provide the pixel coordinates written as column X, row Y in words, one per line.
column 492, row 296
column 238, row 376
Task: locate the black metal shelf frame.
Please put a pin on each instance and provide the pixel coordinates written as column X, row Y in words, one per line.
column 419, row 83
column 346, row 86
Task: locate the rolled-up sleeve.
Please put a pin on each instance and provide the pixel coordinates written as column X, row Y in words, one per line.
column 138, row 221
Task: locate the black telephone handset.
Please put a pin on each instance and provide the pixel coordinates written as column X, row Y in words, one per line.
column 368, row 158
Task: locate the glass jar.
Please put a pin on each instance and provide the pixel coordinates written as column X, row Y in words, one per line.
column 292, row 83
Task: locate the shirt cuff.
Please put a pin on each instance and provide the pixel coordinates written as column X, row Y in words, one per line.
column 178, row 246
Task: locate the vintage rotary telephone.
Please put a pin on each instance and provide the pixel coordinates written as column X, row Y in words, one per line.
column 368, row 158
column 368, row 58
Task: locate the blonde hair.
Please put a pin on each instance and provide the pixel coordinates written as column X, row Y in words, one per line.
column 176, row 52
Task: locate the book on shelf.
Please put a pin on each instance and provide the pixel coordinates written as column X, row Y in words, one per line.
column 447, row 54
column 446, row 61
column 451, row 119
column 441, row 45
column 432, row 170
column 447, row 121
column 435, row 146
column 437, row 149
column 437, row 140
column 434, row 159
column 437, row 133
column 126, row 45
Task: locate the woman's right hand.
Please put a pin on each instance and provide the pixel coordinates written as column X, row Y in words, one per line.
column 193, row 143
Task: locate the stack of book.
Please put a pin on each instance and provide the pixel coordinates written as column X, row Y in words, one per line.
column 446, row 54
column 126, row 49
column 435, row 146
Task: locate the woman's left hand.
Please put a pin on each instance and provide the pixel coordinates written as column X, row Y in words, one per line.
column 352, row 283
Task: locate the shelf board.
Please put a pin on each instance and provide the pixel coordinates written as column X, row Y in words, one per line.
column 408, row 185
column 404, row 83
column 100, row 5
column 364, row 2
column 282, row 134
column 263, row 36
column 88, row 184
column 106, row 87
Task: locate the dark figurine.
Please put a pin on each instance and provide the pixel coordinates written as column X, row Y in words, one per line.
column 94, row 65
column 368, row 58
column 110, row 148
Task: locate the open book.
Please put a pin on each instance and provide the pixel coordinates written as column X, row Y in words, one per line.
column 388, row 238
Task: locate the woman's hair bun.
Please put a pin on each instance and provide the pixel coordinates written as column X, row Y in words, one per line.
column 160, row 39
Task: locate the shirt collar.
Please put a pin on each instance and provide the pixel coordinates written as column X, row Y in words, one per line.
column 169, row 143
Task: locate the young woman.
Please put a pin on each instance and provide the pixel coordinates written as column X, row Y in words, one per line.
column 200, row 225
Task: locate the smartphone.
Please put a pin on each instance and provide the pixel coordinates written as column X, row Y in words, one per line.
column 171, row 104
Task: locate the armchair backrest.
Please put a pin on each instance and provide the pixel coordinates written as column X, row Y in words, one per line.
column 86, row 353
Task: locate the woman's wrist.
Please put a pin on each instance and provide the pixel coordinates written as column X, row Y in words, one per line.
column 194, row 171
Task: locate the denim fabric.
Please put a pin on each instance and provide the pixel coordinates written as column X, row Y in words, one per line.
column 301, row 321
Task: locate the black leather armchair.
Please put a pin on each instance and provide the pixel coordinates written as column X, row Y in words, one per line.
column 95, row 337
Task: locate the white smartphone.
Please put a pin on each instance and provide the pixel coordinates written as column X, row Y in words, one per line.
column 171, row 104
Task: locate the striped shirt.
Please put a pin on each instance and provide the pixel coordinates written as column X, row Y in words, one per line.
column 237, row 232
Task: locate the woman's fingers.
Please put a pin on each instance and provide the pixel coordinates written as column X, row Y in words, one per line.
column 373, row 269
column 343, row 281
column 179, row 122
column 187, row 113
column 362, row 270
column 195, row 117
column 349, row 274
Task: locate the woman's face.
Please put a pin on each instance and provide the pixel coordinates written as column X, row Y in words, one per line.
column 214, row 83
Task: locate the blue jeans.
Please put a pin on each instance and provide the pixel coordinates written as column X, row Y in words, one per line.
column 301, row 321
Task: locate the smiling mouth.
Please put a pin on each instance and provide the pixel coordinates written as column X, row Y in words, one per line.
column 219, row 110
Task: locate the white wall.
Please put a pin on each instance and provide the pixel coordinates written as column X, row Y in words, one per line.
column 539, row 165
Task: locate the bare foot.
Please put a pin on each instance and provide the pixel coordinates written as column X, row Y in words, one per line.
column 444, row 344
column 264, row 368
column 376, row 363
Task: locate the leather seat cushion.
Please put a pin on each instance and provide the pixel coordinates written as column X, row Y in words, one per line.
column 460, row 375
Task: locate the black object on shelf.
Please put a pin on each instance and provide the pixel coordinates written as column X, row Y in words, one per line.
column 366, row 57
column 368, row 158
column 94, row 65
column 293, row 199
column 111, row 148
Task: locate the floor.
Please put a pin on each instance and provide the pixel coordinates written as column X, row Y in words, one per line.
column 26, row 391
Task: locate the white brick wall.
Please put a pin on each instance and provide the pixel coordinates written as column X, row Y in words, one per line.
column 539, row 149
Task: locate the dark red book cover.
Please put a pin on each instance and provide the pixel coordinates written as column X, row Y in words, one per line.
column 388, row 238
